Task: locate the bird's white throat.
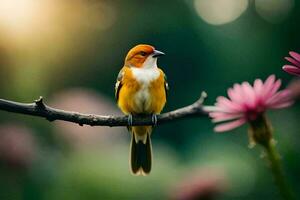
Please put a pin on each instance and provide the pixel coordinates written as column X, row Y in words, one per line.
column 145, row 75
column 150, row 62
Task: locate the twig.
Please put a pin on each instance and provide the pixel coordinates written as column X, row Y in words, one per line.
column 40, row 109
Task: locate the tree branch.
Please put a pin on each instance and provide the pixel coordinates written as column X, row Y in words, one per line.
column 40, row 109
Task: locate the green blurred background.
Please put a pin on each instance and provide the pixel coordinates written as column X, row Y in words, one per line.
column 70, row 52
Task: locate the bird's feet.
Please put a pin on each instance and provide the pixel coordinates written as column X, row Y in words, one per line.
column 130, row 120
column 154, row 119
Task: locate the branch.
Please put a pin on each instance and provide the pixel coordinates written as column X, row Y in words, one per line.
column 40, row 109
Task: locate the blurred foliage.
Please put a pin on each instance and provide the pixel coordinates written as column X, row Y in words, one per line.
column 52, row 47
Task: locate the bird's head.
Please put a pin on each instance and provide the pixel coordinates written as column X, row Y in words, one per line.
column 142, row 56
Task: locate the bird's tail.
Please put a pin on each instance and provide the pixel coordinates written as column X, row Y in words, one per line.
column 140, row 150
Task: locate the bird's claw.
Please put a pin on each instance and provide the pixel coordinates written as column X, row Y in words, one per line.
column 130, row 120
column 154, row 119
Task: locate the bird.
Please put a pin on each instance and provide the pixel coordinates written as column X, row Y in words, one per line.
column 141, row 90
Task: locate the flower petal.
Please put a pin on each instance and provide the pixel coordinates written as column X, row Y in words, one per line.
column 295, row 55
column 228, row 105
column 282, row 105
column 291, row 69
column 230, row 125
column 275, row 88
column 269, row 82
column 223, row 116
column 236, row 94
column 293, row 61
column 281, row 97
column 226, row 117
column 267, row 87
column 258, row 86
column 249, row 94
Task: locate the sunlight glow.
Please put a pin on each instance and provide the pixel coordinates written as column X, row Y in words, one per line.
column 274, row 11
column 218, row 12
column 39, row 24
column 17, row 14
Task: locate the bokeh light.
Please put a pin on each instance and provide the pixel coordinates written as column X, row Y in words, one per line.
column 41, row 36
column 41, row 18
column 274, row 11
column 86, row 101
column 218, row 12
column 204, row 183
column 18, row 147
column 17, row 14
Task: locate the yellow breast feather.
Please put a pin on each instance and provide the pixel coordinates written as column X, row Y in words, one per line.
column 135, row 98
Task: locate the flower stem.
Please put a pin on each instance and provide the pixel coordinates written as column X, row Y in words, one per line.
column 276, row 169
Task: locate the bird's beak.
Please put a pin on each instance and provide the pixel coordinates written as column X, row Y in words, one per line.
column 157, row 53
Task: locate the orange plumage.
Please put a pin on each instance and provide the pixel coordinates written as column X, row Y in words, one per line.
column 141, row 90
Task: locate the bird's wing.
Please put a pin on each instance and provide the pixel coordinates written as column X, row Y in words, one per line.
column 118, row 85
column 166, row 84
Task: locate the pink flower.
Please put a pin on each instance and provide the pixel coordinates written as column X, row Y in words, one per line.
column 200, row 184
column 295, row 60
column 246, row 103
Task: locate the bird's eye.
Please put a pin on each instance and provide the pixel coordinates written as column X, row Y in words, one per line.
column 143, row 53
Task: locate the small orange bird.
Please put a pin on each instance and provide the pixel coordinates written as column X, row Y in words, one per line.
column 141, row 89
